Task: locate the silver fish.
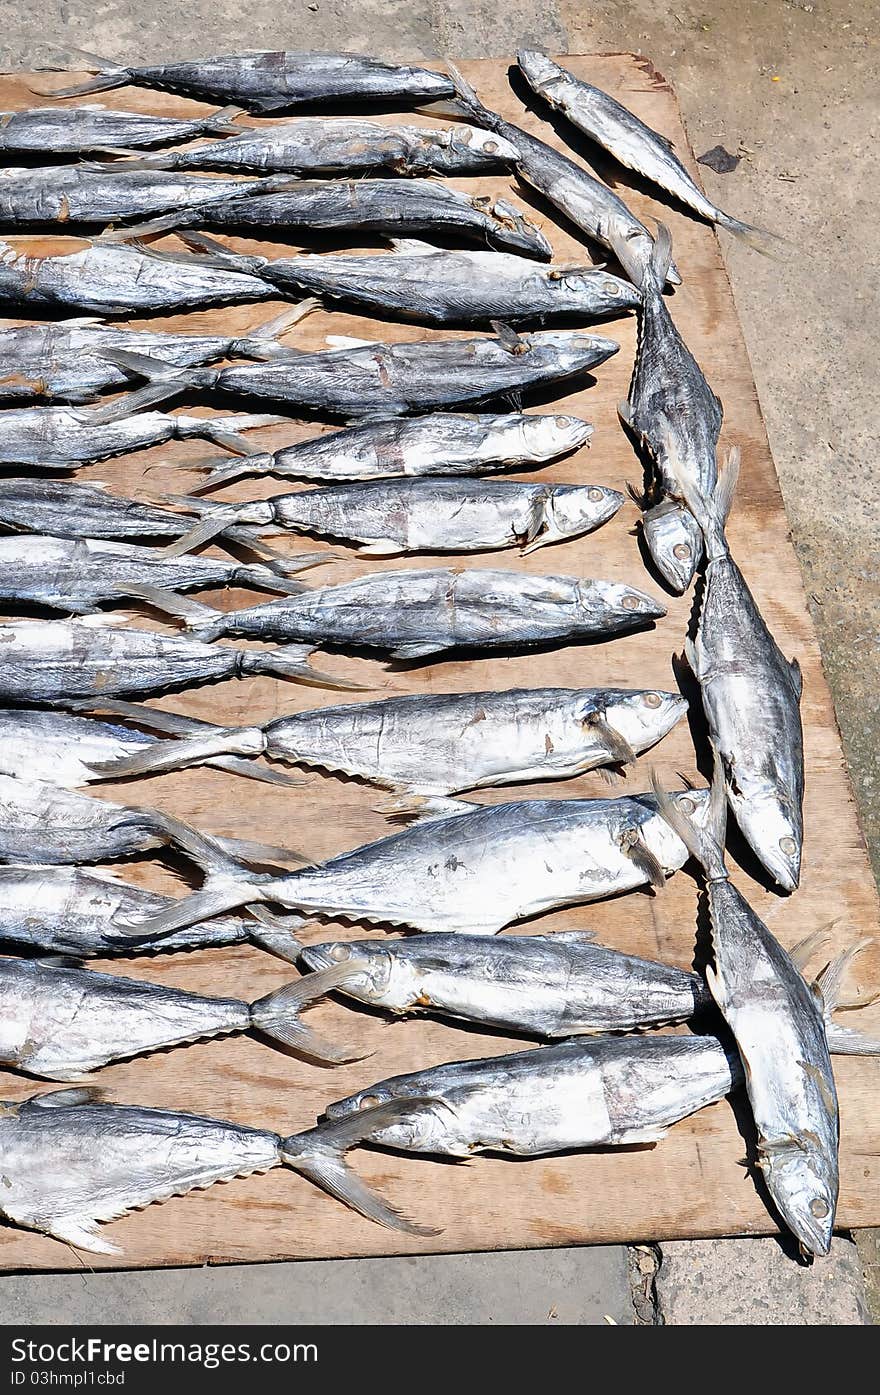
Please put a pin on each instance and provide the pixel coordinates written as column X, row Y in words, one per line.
column 71, row 1161
column 60, row 359
column 671, row 409
column 394, row 207
column 92, row 194
column 317, row 146
column 267, row 81
column 108, row 279
column 778, row 1023
column 89, row 658
column 359, row 378
column 78, row 574
column 88, row 129
column 411, row 614
column 438, row 286
column 67, row 510
column 476, row 870
column 440, row 443
column 633, row 144
column 751, row 696
column 64, row 748
column 589, row 204
column 431, row 744
column 86, row 912
column 389, row 517
column 60, row 1021
column 543, row 986
column 63, row 438
column 592, row 1092
column 43, row 824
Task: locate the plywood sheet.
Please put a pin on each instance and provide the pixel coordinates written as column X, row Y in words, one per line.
column 692, row 1183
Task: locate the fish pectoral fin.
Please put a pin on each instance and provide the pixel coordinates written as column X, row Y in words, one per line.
column 716, row 987
column 633, row 846
column 81, row 1232
column 619, row 749
column 690, row 653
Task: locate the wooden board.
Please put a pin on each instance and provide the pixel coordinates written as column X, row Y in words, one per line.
column 692, row 1183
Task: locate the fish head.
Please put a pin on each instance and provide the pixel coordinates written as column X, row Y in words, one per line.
column 642, row 717
column 773, row 827
column 661, row 839
column 571, row 510
column 802, row 1179
column 616, row 605
column 367, row 1098
column 604, row 293
column 673, row 538
column 546, row 437
column 488, row 143
column 372, row 966
column 537, row 68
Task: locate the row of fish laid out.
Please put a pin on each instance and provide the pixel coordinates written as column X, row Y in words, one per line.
column 68, row 1156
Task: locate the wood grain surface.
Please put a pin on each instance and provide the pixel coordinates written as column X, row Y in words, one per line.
column 691, row 1184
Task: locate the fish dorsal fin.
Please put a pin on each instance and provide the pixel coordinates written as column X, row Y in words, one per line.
column 797, row 677
column 65, row 1099
column 801, row 953
column 412, row 247
column 60, row 961
column 347, row 341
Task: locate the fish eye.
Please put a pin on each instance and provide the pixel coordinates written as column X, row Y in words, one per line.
column 819, row 1208
column 630, row 602
column 369, row 1101
column 686, row 805
column 788, row 846
column 490, row 147
column 609, row 288
column 652, row 699
column 682, row 551
column 561, row 422
column 339, row 953
column 596, row 495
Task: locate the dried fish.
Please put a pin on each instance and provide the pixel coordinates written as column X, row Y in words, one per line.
column 85, row 129
column 476, row 870
column 389, row 517
column 633, row 144
column 675, row 415
column 751, row 695
column 317, row 146
column 442, row 443
column 674, row 541
column 411, row 614
column 590, row 205
column 82, row 193
column 64, row 748
column 778, row 1023
column 426, row 744
column 60, row 359
column 544, row 986
column 63, row 438
column 266, row 81
column 43, row 824
column 437, row 286
column 91, row 657
column 107, row 279
column 78, row 574
column 590, row 1092
column 394, row 207
column 61, row 1020
column 71, row 1161
column 361, row 378
column 86, row 912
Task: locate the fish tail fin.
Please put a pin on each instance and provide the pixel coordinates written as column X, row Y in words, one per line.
column 212, row 526
column 248, row 850
column 224, row 121
column 224, row 471
column 106, row 73
column 279, row 1015
column 261, row 342
column 319, row 1154
column 218, row 856
column 179, row 753
column 661, row 257
column 704, row 840
column 195, row 615
column 275, row 932
column 213, row 253
column 830, row 981
column 218, row 896
column 769, row 244
column 279, row 574
column 292, row 661
column 463, row 89
column 163, row 380
column 422, row 808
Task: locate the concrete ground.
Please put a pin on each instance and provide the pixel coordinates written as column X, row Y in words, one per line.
column 790, row 86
